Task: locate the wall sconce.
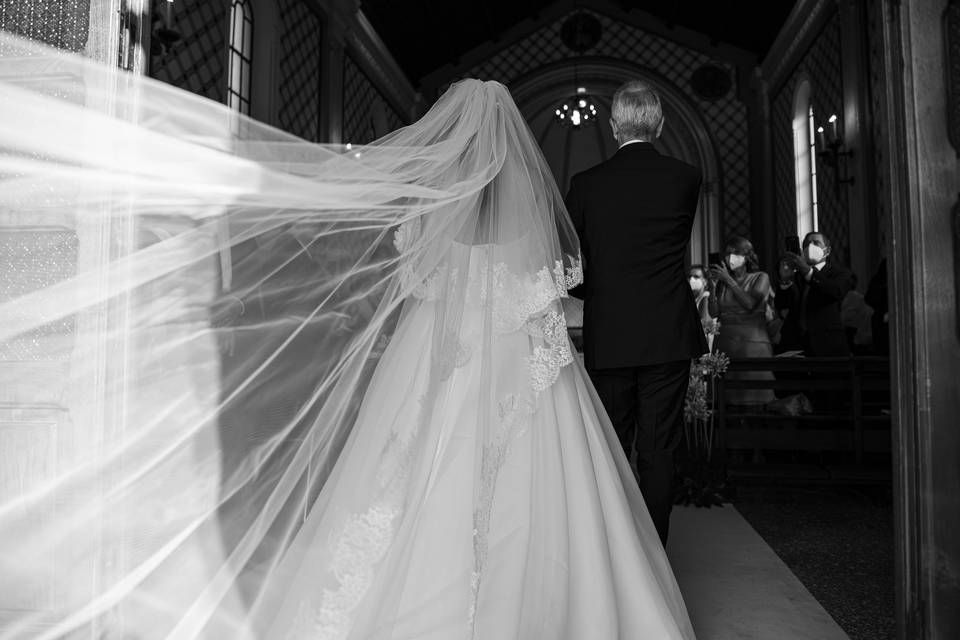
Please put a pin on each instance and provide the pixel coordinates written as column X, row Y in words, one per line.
column 164, row 35
column 834, row 152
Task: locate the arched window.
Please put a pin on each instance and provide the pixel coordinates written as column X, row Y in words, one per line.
column 240, row 56
column 805, row 160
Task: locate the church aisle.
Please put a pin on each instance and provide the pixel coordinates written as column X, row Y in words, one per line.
column 735, row 586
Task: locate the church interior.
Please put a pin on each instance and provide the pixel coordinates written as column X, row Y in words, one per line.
column 833, row 116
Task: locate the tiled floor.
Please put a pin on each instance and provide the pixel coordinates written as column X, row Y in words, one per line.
column 839, row 541
column 735, row 586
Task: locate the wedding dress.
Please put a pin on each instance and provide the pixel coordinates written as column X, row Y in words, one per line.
column 298, row 391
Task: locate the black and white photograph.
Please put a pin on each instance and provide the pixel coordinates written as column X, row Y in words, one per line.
column 494, row 320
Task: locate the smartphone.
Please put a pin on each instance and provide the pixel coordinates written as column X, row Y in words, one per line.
column 713, row 258
column 792, row 244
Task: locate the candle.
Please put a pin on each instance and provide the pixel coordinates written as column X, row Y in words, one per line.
column 823, row 138
column 833, row 128
column 169, row 13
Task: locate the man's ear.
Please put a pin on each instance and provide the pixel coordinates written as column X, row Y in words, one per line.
column 613, row 127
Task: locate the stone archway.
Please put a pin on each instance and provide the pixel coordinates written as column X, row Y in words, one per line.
column 685, row 135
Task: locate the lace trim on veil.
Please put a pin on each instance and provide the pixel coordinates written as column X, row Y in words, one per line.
column 516, row 297
column 516, row 414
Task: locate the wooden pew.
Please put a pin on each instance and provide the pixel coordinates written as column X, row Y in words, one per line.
column 861, row 424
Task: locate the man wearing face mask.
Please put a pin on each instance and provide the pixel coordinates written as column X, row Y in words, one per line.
column 811, row 289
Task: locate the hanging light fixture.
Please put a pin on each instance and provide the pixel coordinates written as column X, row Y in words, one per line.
column 580, row 32
column 576, row 111
column 165, row 36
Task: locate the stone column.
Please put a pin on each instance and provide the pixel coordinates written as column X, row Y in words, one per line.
column 923, row 261
column 862, row 225
column 340, row 18
column 763, row 215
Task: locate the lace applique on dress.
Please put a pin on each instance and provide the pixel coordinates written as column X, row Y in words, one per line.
column 515, row 413
column 454, row 353
column 360, row 546
column 361, row 543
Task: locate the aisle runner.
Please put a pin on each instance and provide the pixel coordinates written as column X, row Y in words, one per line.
column 735, row 586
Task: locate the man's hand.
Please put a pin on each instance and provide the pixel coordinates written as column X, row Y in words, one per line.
column 796, row 262
column 786, row 271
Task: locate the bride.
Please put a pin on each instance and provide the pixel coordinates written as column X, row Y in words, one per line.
column 296, row 390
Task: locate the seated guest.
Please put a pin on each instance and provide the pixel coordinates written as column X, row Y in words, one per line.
column 740, row 305
column 812, row 288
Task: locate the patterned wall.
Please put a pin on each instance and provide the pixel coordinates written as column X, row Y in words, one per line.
column 725, row 117
column 60, row 23
column 300, row 64
column 880, row 205
column 197, row 62
column 31, row 260
column 31, row 257
column 367, row 115
column 822, row 65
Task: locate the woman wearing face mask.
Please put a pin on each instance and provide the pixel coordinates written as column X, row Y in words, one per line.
column 700, row 285
column 741, row 305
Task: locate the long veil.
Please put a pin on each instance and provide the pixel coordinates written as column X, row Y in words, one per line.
column 192, row 307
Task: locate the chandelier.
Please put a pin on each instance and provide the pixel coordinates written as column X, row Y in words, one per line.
column 580, row 32
column 576, row 111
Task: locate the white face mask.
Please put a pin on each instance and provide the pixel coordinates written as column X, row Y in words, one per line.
column 696, row 283
column 815, row 254
column 734, row 261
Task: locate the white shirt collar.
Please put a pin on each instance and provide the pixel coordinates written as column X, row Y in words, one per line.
column 820, row 265
column 629, row 142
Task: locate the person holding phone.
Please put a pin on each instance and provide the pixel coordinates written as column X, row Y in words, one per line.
column 812, row 288
column 742, row 306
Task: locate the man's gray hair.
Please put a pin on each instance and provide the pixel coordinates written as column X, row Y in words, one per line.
column 636, row 112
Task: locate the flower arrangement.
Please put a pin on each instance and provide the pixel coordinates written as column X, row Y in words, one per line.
column 698, row 408
column 711, row 329
column 703, row 484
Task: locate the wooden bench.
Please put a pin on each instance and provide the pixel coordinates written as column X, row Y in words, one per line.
column 860, row 424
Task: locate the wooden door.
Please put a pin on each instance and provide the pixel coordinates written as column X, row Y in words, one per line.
column 924, row 182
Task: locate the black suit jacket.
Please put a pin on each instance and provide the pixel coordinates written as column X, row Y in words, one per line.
column 824, row 334
column 633, row 214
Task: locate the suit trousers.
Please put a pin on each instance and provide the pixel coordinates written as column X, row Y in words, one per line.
column 645, row 405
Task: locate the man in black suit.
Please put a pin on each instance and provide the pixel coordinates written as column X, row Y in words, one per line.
column 812, row 288
column 633, row 214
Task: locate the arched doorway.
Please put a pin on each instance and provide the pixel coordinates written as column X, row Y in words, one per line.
column 569, row 151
